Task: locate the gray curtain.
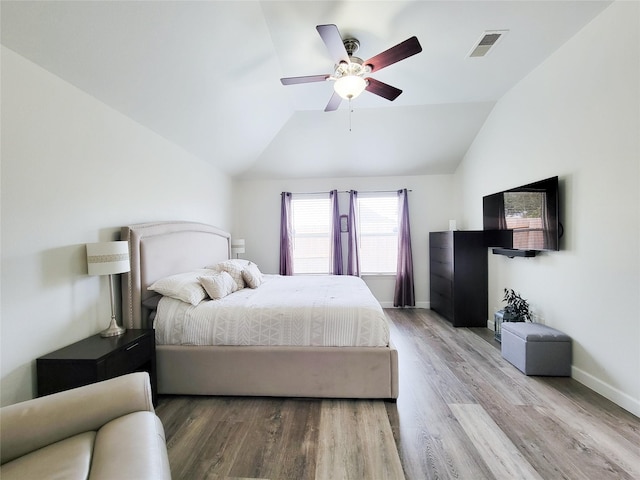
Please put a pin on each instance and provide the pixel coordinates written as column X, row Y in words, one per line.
column 336, row 235
column 404, row 295
column 286, row 235
column 353, row 250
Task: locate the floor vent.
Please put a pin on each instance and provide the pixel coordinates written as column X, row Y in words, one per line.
column 488, row 40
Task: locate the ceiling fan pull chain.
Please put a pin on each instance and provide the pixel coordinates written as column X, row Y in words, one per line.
column 350, row 112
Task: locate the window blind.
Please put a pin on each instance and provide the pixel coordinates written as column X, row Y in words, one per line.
column 311, row 233
column 378, row 218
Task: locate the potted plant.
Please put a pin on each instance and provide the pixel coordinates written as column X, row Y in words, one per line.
column 517, row 309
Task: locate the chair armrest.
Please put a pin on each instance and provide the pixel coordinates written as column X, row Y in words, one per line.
column 30, row 425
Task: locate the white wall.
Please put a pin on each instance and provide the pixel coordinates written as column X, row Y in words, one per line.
column 257, row 219
column 576, row 116
column 73, row 172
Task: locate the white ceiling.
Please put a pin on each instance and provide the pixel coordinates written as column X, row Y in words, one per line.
column 205, row 74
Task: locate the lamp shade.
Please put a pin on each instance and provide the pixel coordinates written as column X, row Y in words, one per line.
column 107, row 258
column 237, row 246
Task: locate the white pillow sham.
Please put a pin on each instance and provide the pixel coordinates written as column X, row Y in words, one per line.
column 218, row 285
column 234, row 268
column 183, row 286
column 252, row 275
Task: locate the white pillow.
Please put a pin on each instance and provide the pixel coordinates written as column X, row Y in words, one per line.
column 234, row 268
column 183, row 286
column 232, row 261
column 218, row 285
column 252, row 275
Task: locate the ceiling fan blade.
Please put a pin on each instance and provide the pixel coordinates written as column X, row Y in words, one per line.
column 403, row 50
column 332, row 39
column 382, row 89
column 307, row 79
column 334, row 103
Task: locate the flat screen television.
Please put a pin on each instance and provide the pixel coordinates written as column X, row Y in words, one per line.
column 524, row 219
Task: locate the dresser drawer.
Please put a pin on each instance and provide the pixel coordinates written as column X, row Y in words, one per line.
column 442, row 286
column 442, row 305
column 441, row 239
column 443, row 255
column 441, row 269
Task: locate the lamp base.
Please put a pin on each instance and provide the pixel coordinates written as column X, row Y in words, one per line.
column 113, row 330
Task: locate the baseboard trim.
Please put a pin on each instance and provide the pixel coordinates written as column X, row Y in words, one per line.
column 621, row 399
column 426, row 305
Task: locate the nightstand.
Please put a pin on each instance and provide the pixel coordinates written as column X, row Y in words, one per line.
column 95, row 359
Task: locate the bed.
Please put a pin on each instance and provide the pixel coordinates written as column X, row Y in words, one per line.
column 308, row 367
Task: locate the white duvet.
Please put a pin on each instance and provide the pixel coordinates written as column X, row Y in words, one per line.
column 333, row 310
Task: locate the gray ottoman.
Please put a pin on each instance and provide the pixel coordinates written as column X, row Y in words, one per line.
column 536, row 349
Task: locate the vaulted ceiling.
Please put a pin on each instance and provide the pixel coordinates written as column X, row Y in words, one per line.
column 205, row 74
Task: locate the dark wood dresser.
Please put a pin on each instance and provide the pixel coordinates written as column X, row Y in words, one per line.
column 458, row 277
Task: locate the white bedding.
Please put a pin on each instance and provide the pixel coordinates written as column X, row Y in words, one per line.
column 284, row 310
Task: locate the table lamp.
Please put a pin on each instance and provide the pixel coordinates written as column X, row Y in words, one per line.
column 237, row 246
column 109, row 258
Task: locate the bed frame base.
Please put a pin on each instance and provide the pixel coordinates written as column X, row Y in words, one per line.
column 323, row 372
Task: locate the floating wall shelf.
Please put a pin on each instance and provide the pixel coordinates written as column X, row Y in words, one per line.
column 511, row 252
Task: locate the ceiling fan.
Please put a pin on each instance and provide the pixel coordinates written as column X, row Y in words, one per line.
column 350, row 73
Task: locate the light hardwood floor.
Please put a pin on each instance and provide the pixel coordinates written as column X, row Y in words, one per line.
column 276, row 438
column 463, row 413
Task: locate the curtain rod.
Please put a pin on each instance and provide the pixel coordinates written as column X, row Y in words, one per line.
column 349, row 191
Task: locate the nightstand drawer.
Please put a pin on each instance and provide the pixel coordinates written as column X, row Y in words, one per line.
column 130, row 357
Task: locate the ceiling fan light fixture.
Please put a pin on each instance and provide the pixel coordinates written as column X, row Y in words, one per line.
column 350, row 86
column 351, row 74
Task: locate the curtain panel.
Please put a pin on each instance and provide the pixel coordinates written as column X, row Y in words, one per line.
column 353, row 249
column 286, row 235
column 404, row 295
column 336, row 235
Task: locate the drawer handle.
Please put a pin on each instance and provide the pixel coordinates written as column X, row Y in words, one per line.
column 132, row 346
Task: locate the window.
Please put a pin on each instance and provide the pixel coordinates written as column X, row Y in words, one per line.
column 378, row 219
column 311, row 233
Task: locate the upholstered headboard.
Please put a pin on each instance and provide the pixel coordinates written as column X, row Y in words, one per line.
column 160, row 249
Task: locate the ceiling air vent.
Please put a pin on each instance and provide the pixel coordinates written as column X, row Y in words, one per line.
column 487, row 41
